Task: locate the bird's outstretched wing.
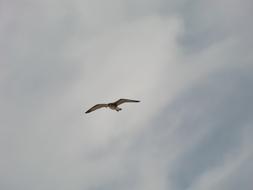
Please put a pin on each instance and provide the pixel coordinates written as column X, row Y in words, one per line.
column 121, row 101
column 98, row 106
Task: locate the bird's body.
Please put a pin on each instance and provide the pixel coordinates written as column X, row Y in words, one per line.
column 113, row 105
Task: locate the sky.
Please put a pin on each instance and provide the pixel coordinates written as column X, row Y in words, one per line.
column 190, row 62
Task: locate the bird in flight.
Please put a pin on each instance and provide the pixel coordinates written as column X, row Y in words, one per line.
column 113, row 105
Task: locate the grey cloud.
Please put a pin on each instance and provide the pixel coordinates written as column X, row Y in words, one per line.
column 240, row 178
column 219, row 106
column 191, row 69
column 209, row 22
column 222, row 106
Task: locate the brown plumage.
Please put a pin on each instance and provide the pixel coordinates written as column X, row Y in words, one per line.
column 113, row 105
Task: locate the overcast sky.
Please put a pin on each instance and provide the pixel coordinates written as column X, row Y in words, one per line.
column 190, row 62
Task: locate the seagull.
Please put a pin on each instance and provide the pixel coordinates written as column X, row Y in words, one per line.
column 113, row 105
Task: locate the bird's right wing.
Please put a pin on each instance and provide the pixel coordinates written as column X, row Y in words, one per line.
column 98, row 106
column 121, row 101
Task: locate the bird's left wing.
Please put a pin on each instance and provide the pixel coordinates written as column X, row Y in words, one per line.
column 98, row 106
column 121, row 101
